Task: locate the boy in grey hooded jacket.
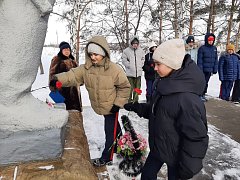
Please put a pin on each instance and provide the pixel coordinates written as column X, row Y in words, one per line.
column 107, row 86
column 133, row 60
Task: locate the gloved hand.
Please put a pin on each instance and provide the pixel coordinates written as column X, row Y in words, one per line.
column 55, row 84
column 131, row 106
column 115, row 109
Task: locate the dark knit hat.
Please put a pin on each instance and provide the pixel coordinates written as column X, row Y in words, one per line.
column 64, row 45
column 190, row 39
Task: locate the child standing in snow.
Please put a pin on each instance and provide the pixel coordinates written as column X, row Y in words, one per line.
column 207, row 60
column 236, row 87
column 191, row 48
column 107, row 86
column 177, row 116
column 228, row 69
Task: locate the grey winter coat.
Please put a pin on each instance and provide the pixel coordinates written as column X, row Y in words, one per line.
column 133, row 60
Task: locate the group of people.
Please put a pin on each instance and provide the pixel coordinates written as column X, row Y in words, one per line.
column 227, row 66
column 176, row 113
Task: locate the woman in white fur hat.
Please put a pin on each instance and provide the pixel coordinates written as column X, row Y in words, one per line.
column 177, row 116
column 148, row 69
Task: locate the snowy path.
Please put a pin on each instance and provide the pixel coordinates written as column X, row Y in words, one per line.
column 223, row 156
column 222, row 160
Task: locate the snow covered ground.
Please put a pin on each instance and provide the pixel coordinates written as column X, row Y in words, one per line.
column 223, row 156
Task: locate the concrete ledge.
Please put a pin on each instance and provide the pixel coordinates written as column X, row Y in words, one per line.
column 74, row 164
column 22, row 146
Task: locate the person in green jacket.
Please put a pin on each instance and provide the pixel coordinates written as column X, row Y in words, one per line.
column 107, row 86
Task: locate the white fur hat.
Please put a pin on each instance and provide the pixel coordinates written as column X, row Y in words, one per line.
column 152, row 44
column 170, row 53
column 94, row 48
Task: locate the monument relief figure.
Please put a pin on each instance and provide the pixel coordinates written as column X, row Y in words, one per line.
column 23, row 118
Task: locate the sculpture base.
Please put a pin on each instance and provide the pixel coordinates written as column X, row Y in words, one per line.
column 25, row 146
column 30, row 130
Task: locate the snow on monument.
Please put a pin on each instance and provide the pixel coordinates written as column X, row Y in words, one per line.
column 29, row 129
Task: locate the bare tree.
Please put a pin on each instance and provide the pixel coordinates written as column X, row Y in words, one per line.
column 213, row 17
column 161, row 21
column 139, row 15
column 191, row 18
column 210, row 20
column 230, row 21
column 120, row 19
column 175, row 25
column 238, row 37
column 126, row 22
column 78, row 29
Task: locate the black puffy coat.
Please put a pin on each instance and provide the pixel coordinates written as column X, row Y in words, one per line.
column 148, row 67
column 177, row 120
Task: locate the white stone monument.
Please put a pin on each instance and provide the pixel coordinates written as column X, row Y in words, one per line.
column 29, row 129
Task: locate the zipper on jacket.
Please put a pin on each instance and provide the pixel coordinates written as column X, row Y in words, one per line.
column 135, row 61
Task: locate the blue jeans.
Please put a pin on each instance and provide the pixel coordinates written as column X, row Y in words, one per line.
column 153, row 165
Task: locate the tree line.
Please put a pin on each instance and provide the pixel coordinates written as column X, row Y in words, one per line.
column 151, row 20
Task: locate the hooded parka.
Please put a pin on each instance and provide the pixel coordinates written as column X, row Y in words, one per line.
column 207, row 57
column 133, row 60
column 177, row 120
column 106, row 82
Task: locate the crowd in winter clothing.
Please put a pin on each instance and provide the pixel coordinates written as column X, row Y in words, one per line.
column 227, row 66
column 177, row 77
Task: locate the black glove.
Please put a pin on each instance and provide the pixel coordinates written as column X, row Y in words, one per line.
column 115, row 109
column 131, row 106
column 53, row 83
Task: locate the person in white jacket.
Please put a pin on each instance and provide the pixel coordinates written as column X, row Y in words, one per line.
column 191, row 48
column 133, row 60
